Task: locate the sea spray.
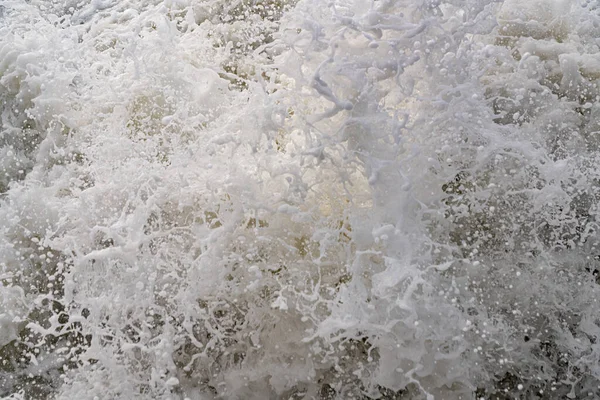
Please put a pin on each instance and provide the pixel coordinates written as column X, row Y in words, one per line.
column 318, row 200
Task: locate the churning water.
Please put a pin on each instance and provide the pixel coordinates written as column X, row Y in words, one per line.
column 261, row 199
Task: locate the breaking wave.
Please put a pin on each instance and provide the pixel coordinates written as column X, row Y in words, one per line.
column 267, row 199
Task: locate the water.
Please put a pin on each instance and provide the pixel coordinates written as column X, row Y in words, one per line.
column 299, row 200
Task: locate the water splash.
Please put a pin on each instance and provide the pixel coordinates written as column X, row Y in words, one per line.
column 386, row 199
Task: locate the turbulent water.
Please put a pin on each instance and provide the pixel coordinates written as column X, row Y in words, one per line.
column 261, row 199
